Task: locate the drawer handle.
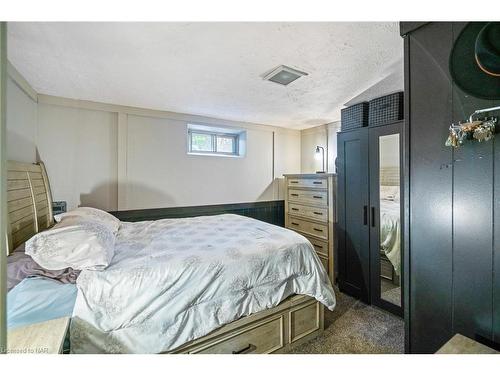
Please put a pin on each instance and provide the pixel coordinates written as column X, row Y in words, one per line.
column 295, row 223
column 318, row 230
column 318, row 182
column 317, row 196
column 294, row 195
column 294, row 209
column 318, row 213
column 294, row 182
column 319, row 246
column 247, row 349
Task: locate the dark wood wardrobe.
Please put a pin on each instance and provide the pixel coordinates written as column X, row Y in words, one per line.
column 453, row 231
column 369, row 183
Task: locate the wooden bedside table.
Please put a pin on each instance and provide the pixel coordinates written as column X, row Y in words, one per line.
column 39, row 338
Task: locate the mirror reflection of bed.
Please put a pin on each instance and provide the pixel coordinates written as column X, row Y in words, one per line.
column 390, row 223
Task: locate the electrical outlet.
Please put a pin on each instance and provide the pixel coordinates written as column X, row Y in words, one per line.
column 58, row 207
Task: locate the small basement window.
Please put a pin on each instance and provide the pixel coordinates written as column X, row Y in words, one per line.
column 209, row 140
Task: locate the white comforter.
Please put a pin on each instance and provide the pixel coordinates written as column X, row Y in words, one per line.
column 175, row 280
column 390, row 232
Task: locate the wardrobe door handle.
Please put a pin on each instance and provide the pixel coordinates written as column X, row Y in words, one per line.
column 365, row 215
column 373, row 216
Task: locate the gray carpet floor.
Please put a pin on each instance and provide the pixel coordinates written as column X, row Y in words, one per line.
column 356, row 328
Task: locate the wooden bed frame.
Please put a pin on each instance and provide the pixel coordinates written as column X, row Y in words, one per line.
column 29, row 202
column 294, row 321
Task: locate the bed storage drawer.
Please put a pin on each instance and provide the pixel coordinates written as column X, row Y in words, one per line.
column 265, row 336
column 317, row 198
column 316, row 213
column 304, row 320
column 308, row 182
column 386, row 269
column 308, row 228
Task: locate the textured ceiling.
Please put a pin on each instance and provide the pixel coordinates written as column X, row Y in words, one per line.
column 212, row 69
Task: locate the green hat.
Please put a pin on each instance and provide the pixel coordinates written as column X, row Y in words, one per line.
column 475, row 60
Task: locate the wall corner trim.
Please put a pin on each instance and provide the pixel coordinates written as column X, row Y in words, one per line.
column 315, row 129
column 122, row 160
column 21, row 82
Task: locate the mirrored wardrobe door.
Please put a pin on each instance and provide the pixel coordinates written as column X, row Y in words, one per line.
column 385, row 218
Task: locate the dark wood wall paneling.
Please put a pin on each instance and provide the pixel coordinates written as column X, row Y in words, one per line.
column 272, row 212
column 473, row 223
column 430, row 188
column 496, row 242
column 454, row 199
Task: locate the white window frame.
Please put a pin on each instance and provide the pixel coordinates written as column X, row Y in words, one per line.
column 236, row 134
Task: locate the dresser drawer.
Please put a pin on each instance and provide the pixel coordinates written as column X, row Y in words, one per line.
column 324, row 262
column 318, row 198
column 307, row 227
column 262, row 337
column 308, row 182
column 320, row 247
column 316, row 213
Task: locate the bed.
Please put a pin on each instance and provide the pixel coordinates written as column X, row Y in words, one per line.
column 390, row 233
column 218, row 284
column 390, row 213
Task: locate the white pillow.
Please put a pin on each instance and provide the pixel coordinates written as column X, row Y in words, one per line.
column 93, row 214
column 75, row 242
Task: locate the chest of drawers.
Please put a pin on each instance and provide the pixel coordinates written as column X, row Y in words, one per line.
column 310, row 211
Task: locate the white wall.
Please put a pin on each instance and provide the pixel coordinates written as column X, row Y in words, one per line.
column 310, row 138
column 21, row 122
column 161, row 174
column 117, row 157
column 287, row 156
column 79, row 149
column 324, row 136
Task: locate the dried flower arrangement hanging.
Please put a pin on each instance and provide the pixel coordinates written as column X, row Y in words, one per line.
column 475, row 130
column 479, row 130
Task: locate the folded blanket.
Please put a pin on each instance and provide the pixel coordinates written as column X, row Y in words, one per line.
column 21, row 266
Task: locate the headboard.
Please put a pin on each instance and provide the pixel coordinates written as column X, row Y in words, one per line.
column 29, row 202
column 389, row 176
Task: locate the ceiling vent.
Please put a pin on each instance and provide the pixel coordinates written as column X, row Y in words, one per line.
column 284, row 75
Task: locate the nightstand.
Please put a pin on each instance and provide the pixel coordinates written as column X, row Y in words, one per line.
column 39, row 338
